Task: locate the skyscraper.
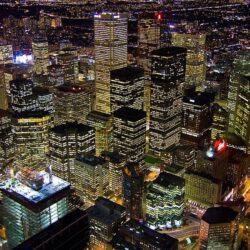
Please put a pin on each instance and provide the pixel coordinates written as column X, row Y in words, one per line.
column 110, row 53
column 35, row 201
column 105, row 218
column 6, row 139
column 41, row 55
column 91, row 178
column 67, row 141
column 196, row 57
column 218, row 228
column 72, row 103
column 165, row 201
column 168, row 76
column 148, row 40
column 133, row 190
column 196, row 119
column 242, row 112
column 129, row 134
column 6, row 53
column 241, row 68
column 126, row 88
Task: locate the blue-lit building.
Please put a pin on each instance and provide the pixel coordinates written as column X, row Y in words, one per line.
column 31, row 202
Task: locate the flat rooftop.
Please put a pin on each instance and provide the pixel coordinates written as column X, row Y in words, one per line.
column 91, row 160
column 128, row 73
column 130, row 114
column 169, row 51
column 36, row 199
column 71, row 126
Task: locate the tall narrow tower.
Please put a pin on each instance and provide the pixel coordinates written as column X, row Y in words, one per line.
column 110, row 53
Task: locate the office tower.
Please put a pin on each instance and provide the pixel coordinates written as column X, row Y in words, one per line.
column 134, row 235
column 6, row 53
column 241, row 68
column 201, row 191
column 55, row 75
column 14, row 72
column 242, row 117
column 103, row 126
column 184, row 156
column 31, row 133
column 126, row 88
column 148, row 40
column 72, row 103
column 165, row 201
column 3, row 91
column 133, row 190
column 196, row 57
column 219, row 122
column 41, row 55
column 21, row 93
column 35, row 201
column 27, row 98
column 105, row 218
column 86, row 69
column 214, row 160
column 110, row 53
column 238, row 163
column 116, row 164
column 129, row 134
column 75, row 223
column 218, row 228
column 66, row 141
column 6, row 139
column 69, row 64
column 196, row 119
column 168, row 76
column 91, row 178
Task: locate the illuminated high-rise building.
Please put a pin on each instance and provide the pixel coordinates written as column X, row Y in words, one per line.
column 67, row 141
column 196, row 119
column 241, row 68
column 31, row 133
column 27, row 98
column 6, row 139
column 196, row 57
column 133, row 190
column 110, row 54
column 242, row 112
column 165, row 201
column 37, row 200
column 6, row 53
column 219, row 122
column 72, row 103
column 68, row 61
column 148, row 40
column 116, row 164
column 201, row 191
column 218, row 228
column 168, row 77
column 41, row 55
column 129, row 134
column 126, row 88
column 55, row 75
column 91, row 178
column 105, row 218
column 3, row 92
column 103, row 127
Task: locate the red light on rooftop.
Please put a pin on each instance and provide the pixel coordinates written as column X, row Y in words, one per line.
column 159, row 16
column 219, row 145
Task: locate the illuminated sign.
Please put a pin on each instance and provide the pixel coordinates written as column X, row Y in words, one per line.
column 219, row 145
column 24, row 59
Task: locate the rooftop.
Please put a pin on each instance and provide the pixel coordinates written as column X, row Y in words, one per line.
column 91, row 160
column 127, row 73
column 106, row 211
column 126, row 113
column 166, row 179
column 169, row 51
column 217, row 215
column 35, row 199
column 133, row 229
column 72, row 127
column 198, row 98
